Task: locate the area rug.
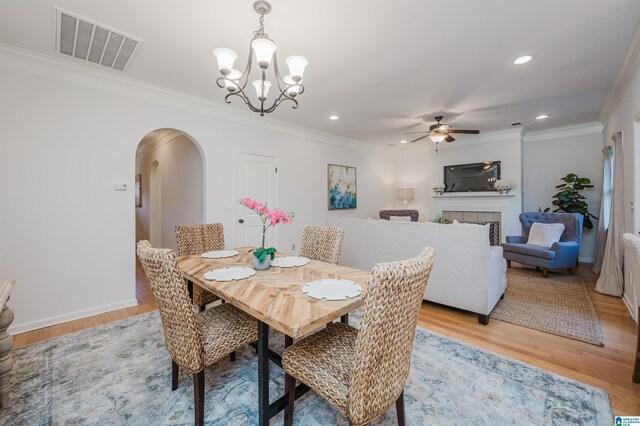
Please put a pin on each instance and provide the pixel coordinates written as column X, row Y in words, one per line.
column 559, row 304
column 119, row 374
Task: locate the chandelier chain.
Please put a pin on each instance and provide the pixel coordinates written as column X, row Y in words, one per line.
column 259, row 33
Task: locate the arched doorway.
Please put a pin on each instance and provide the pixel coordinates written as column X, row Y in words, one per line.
column 170, row 171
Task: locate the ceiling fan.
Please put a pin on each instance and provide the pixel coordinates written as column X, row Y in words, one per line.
column 441, row 132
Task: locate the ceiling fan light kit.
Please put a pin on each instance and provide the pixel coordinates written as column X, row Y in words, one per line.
column 440, row 132
column 264, row 51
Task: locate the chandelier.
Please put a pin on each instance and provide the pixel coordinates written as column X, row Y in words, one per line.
column 264, row 51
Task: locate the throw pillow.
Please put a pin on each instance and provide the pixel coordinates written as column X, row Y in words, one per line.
column 455, row 221
column 400, row 218
column 545, row 234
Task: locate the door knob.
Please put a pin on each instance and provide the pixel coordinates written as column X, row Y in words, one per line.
column 241, row 221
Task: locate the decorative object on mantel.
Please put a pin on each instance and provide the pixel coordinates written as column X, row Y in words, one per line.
column 504, row 185
column 405, row 195
column 438, row 188
column 231, row 273
column 342, row 187
column 6, row 341
column 441, row 132
column 262, row 256
column 264, row 50
column 289, row 261
column 332, row 289
column 569, row 199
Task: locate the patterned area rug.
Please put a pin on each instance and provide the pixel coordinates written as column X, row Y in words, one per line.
column 559, row 304
column 119, row 373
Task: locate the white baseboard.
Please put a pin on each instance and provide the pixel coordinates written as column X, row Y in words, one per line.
column 57, row 319
column 584, row 259
column 628, row 304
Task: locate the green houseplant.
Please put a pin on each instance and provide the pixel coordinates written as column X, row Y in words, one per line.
column 569, row 199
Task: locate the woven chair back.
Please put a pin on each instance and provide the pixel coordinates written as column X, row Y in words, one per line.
column 181, row 333
column 198, row 239
column 322, row 243
column 382, row 355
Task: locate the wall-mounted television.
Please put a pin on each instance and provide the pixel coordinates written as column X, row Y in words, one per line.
column 471, row 177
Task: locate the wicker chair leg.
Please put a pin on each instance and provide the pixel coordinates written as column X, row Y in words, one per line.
column 400, row 409
column 232, row 356
column 175, row 371
column 198, row 396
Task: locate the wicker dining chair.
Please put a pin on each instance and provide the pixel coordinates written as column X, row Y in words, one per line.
column 363, row 372
column 194, row 341
column 323, row 243
column 198, row 239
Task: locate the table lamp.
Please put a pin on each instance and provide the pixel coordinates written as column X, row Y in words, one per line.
column 406, row 195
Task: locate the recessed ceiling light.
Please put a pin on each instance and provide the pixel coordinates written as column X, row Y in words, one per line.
column 522, row 60
column 403, row 141
column 333, row 117
column 542, row 117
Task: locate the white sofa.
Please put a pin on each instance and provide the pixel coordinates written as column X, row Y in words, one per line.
column 468, row 274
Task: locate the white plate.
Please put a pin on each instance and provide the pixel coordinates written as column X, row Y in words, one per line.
column 289, row 261
column 229, row 274
column 219, row 254
column 332, row 289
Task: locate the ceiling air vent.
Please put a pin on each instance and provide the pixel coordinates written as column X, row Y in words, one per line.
column 85, row 40
column 516, row 123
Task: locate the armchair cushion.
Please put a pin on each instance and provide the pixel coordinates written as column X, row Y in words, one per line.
column 530, row 250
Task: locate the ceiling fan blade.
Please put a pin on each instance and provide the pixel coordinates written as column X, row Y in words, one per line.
column 449, row 138
column 411, row 133
column 421, row 137
column 468, row 132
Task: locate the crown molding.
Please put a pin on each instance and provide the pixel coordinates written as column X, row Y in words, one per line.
column 53, row 68
column 499, row 136
column 583, row 129
column 626, row 72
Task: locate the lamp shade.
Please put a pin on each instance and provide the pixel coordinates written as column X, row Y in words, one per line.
column 262, row 89
column 405, row 194
column 264, row 50
column 226, row 58
column 296, row 66
column 438, row 137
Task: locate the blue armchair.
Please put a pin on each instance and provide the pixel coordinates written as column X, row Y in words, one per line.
column 563, row 254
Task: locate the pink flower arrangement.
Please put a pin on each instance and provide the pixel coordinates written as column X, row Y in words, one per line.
column 269, row 217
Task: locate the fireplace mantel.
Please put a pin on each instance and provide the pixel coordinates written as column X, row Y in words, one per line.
column 488, row 194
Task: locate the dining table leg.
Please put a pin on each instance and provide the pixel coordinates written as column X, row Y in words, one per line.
column 263, row 374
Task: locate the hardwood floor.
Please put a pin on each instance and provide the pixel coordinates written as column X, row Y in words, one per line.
column 607, row 367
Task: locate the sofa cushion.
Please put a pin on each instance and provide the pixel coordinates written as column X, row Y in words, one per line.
column 530, row 250
column 545, row 234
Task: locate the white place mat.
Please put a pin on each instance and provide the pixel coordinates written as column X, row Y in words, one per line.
column 219, row 254
column 229, row 274
column 289, row 261
column 332, row 289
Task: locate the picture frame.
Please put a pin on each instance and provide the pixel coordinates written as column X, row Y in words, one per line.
column 342, row 187
column 138, row 190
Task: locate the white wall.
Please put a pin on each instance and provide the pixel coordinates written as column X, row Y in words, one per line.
column 67, row 135
column 181, row 172
column 552, row 154
column 421, row 167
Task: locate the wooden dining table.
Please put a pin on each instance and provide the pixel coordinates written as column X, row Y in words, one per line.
column 275, row 298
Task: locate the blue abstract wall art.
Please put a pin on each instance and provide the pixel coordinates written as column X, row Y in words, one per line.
column 343, row 189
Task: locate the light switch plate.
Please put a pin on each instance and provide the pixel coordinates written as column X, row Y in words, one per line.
column 120, row 186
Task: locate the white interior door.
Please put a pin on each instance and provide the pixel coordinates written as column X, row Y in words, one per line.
column 256, row 178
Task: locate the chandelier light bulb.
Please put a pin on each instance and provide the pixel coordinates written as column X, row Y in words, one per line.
column 437, row 138
column 262, row 89
column 264, row 50
column 296, row 66
column 226, row 58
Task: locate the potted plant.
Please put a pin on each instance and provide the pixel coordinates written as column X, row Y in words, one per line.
column 438, row 188
column 504, row 185
column 568, row 199
column 263, row 256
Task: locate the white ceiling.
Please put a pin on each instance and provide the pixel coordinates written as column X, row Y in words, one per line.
column 382, row 66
